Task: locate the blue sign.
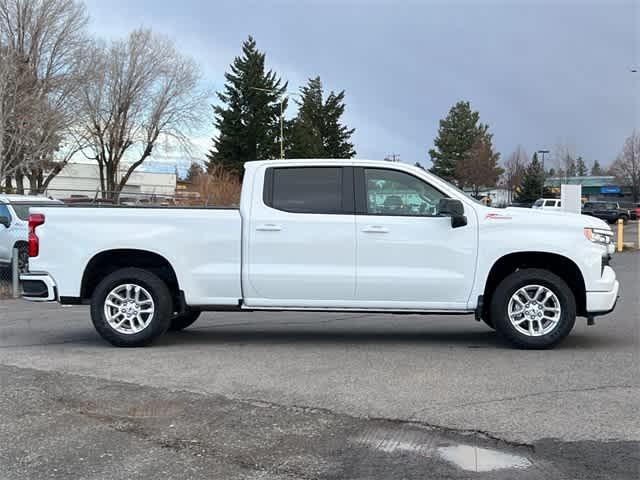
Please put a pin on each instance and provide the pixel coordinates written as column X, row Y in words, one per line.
column 609, row 189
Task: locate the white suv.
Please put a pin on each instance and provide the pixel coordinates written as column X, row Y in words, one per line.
column 548, row 204
column 14, row 216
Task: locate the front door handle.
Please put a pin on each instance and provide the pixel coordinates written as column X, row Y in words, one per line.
column 375, row 229
column 269, row 227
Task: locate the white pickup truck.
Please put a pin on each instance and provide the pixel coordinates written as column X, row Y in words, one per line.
column 326, row 235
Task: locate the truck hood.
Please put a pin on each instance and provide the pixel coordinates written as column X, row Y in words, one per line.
column 544, row 218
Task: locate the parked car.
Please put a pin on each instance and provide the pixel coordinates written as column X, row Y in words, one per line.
column 632, row 208
column 317, row 235
column 608, row 211
column 14, row 215
column 547, row 204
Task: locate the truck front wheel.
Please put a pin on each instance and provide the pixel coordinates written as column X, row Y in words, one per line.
column 533, row 309
column 131, row 307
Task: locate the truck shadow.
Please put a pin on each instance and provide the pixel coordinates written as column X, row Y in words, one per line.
column 289, row 336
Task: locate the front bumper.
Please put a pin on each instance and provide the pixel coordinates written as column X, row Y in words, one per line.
column 38, row 287
column 603, row 301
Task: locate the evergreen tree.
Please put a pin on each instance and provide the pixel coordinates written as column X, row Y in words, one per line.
column 570, row 164
column 532, row 182
column 552, row 172
column 316, row 131
column 581, row 167
column 248, row 119
column 195, row 170
column 457, row 134
column 596, row 170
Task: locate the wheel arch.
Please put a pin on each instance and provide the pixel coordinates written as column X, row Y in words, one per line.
column 108, row 261
column 560, row 265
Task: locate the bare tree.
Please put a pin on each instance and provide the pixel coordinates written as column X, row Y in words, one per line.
column 514, row 169
column 564, row 159
column 479, row 168
column 626, row 167
column 43, row 46
column 144, row 92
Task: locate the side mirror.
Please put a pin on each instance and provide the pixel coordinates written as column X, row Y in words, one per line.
column 6, row 221
column 449, row 207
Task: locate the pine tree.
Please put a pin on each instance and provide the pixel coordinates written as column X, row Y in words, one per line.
column 532, row 182
column 195, row 170
column 596, row 169
column 581, row 167
column 248, row 119
column 457, row 134
column 316, row 131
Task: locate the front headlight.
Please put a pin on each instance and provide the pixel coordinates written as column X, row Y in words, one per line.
column 596, row 235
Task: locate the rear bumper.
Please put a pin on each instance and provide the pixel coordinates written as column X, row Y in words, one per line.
column 38, row 287
column 601, row 302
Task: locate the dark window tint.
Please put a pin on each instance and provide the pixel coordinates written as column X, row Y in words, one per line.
column 307, row 189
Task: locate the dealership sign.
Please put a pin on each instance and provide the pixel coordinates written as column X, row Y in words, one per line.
column 609, row 189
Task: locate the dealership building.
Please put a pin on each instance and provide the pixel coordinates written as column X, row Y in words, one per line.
column 593, row 188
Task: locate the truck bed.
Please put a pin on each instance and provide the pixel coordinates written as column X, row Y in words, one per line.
column 201, row 244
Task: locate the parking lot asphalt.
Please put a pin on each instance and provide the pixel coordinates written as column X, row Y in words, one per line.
column 290, row 395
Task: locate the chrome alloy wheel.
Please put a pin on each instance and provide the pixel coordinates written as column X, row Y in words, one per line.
column 534, row 310
column 129, row 308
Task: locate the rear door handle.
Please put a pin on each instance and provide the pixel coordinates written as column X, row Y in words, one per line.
column 375, row 229
column 269, row 227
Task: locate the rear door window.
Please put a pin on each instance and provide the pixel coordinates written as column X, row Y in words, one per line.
column 305, row 189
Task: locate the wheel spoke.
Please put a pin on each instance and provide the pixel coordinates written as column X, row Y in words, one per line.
column 538, row 292
column 109, row 303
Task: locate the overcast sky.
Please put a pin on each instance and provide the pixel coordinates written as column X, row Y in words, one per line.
column 540, row 72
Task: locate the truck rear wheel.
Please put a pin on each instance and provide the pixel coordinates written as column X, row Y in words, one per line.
column 533, row 309
column 131, row 307
column 185, row 319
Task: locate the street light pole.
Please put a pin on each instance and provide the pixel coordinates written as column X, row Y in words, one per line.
column 544, row 172
column 283, row 97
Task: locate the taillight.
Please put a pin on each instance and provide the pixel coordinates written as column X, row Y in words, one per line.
column 35, row 220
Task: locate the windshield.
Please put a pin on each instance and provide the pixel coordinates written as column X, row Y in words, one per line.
column 538, row 203
column 22, row 209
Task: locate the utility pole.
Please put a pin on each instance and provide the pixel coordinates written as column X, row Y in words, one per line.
column 544, row 172
column 283, row 97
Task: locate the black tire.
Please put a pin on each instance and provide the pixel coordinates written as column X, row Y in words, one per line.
column 182, row 321
column 522, row 278
column 624, row 219
column 489, row 323
column 23, row 259
column 160, row 318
